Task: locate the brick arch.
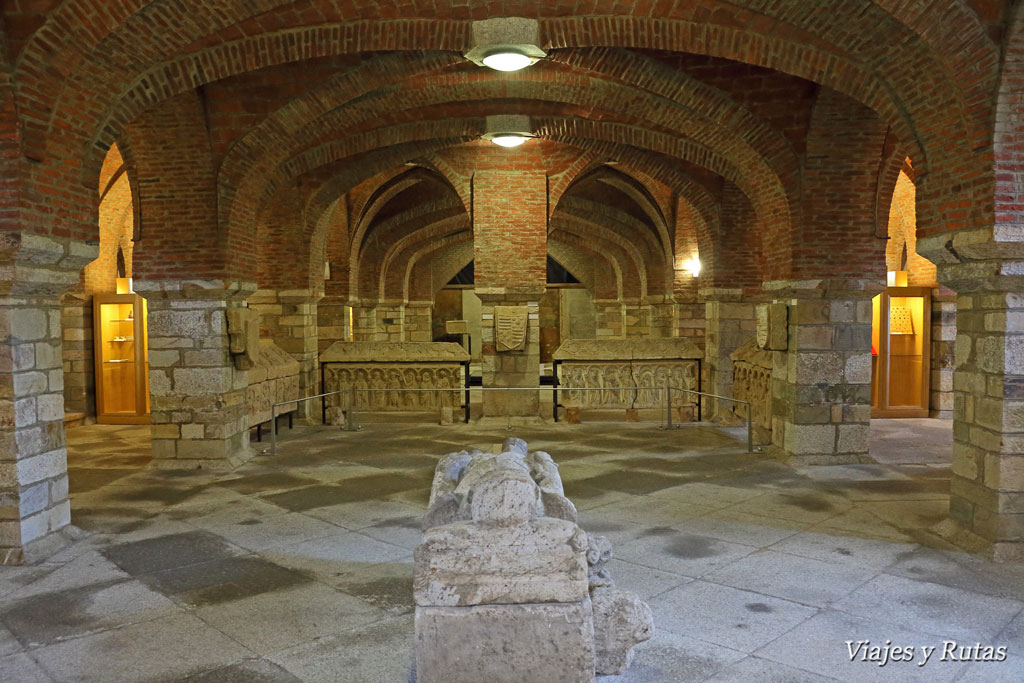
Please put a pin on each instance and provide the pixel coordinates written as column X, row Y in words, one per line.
column 417, row 259
column 632, row 265
column 671, row 130
column 647, row 247
column 392, row 270
column 1008, row 142
column 371, row 258
column 573, row 241
column 687, row 28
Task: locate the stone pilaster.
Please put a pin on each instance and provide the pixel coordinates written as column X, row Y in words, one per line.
column 821, row 387
column 510, row 368
column 34, row 508
column 663, row 318
column 943, row 338
column 390, row 321
column 289, row 317
column 730, row 322
column 77, row 354
column 197, row 396
column 332, row 317
column 987, row 486
column 364, row 322
column 637, row 316
column 611, row 318
column 417, row 321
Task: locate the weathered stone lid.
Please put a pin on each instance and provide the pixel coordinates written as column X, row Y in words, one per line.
column 750, row 353
column 396, row 352
column 627, row 349
column 272, row 362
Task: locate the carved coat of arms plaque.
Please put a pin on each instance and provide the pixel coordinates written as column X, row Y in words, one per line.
column 510, row 323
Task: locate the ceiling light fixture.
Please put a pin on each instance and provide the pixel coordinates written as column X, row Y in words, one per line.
column 509, row 140
column 506, row 43
column 507, row 60
column 508, row 130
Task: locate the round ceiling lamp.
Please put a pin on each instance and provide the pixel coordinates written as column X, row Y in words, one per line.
column 507, row 60
column 509, row 139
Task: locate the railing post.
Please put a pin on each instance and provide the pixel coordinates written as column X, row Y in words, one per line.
column 668, row 406
column 350, row 418
column 273, row 429
column 750, row 431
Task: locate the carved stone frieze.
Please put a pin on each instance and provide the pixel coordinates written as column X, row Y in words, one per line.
column 752, row 382
column 395, row 377
column 626, row 384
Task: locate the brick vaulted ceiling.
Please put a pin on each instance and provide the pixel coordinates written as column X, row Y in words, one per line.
column 349, row 130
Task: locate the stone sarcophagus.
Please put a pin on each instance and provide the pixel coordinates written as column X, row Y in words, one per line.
column 752, row 382
column 626, row 373
column 273, row 378
column 508, row 587
column 370, row 367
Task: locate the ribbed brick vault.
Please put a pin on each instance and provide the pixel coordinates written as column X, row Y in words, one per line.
column 259, row 140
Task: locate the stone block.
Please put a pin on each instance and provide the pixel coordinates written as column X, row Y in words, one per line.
column 809, row 439
column 43, row 466
column 505, row 644
column 28, row 324
column 467, row 564
column 200, row 381
column 853, row 438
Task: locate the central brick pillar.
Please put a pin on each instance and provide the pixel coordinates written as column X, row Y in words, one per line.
column 197, row 396
column 821, row 386
column 510, row 261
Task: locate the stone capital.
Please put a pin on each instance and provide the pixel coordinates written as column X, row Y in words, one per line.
column 195, row 290
column 34, row 265
column 499, row 295
column 823, row 288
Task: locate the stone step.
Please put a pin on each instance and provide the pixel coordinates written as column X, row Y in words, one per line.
column 73, row 419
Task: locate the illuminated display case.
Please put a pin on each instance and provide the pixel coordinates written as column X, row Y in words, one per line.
column 122, row 359
column 900, row 344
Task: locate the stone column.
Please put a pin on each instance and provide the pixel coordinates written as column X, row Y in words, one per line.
column 289, row 317
column 942, row 353
column 663, row 317
column 34, row 508
column 510, row 368
column 821, row 386
column 332, row 316
column 417, row 321
column 197, row 396
column 987, row 486
column 79, row 364
column 611, row 318
column 637, row 318
column 364, row 322
column 730, row 323
column 390, row 320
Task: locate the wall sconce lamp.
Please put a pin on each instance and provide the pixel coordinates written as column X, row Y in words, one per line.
column 692, row 265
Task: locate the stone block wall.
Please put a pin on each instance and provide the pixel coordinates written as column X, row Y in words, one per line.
column 943, row 340
column 197, row 396
column 417, row 322
column 78, row 361
column 289, row 318
column 821, row 388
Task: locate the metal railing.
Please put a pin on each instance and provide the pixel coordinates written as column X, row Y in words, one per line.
column 350, row 423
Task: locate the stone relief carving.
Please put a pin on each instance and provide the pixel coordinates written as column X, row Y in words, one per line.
column 504, row 567
column 394, row 377
column 243, row 337
column 510, row 325
column 274, row 378
column 752, row 382
column 625, row 384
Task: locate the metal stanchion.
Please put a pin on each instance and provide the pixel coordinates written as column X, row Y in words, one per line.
column 350, row 416
column 668, row 406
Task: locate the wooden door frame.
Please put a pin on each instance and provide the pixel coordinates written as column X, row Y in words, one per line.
column 882, row 368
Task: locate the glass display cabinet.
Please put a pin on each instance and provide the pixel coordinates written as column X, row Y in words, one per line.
column 122, row 359
column 900, row 358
